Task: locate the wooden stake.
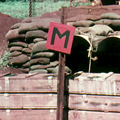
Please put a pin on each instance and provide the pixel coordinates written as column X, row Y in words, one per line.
column 61, row 79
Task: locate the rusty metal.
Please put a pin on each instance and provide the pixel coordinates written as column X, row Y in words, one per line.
column 61, row 78
column 30, row 8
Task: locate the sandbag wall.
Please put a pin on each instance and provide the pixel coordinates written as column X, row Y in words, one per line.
column 104, row 35
column 27, row 41
column 27, row 45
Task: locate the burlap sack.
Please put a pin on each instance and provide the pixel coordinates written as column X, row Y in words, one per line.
column 16, row 26
column 83, row 23
column 39, row 47
column 43, row 54
column 19, row 59
column 110, row 16
column 38, row 71
column 16, row 48
column 13, row 34
column 22, row 44
column 52, row 64
column 15, row 53
column 42, row 61
column 35, row 34
column 101, row 30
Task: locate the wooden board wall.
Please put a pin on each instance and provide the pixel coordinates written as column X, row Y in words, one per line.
column 35, row 97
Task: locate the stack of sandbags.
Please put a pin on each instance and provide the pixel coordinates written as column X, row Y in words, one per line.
column 98, row 30
column 18, row 48
column 27, row 44
column 42, row 58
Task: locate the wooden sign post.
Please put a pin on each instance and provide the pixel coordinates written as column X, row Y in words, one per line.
column 61, row 78
column 60, row 38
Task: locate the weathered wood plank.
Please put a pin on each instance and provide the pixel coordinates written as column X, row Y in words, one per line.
column 49, row 101
column 94, row 103
column 41, row 84
column 86, row 85
column 26, row 101
column 28, row 114
column 37, row 83
column 87, row 115
column 51, row 115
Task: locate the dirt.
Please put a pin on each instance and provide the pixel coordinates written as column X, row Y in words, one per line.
column 6, row 22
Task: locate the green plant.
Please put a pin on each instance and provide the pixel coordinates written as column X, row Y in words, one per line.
column 20, row 9
column 4, row 60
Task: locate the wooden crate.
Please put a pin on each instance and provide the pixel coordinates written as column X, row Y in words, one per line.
column 35, row 98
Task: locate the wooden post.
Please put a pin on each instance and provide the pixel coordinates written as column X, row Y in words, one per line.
column 61, row 78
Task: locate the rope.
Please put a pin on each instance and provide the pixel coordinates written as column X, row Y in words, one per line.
column 90, row 52
column 30, row 8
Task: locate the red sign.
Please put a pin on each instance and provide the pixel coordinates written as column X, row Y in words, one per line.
column 60, row 37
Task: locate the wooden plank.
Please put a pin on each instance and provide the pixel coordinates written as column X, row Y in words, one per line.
column 85, row 85
column 28, row 114
column 51, row 115
column 87, row 115
column 31, row 85
column 94, row 103
column 40, row 84
column 49, row 101
column 28, row 101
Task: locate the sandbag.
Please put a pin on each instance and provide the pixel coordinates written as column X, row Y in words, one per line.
column 19, row 59
column 35, row 34
column 26, row 65
column 22, row 44
column 38, row 71
column 42, row 61
column 15, row 53
column 27, row 27
column 38, row 40
column 25, row 70
column 26, row 50
column 103, row 21
column 16, row 26
column 115, row 25
column 13, row 34
column 52, row 64
column 110, row 16
column 102, row 30
column 43, row 54
column 83, row 23
column 55, row 70
column 42, row 23
column 16, row 48
column 30, row 45
column 39, row 47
